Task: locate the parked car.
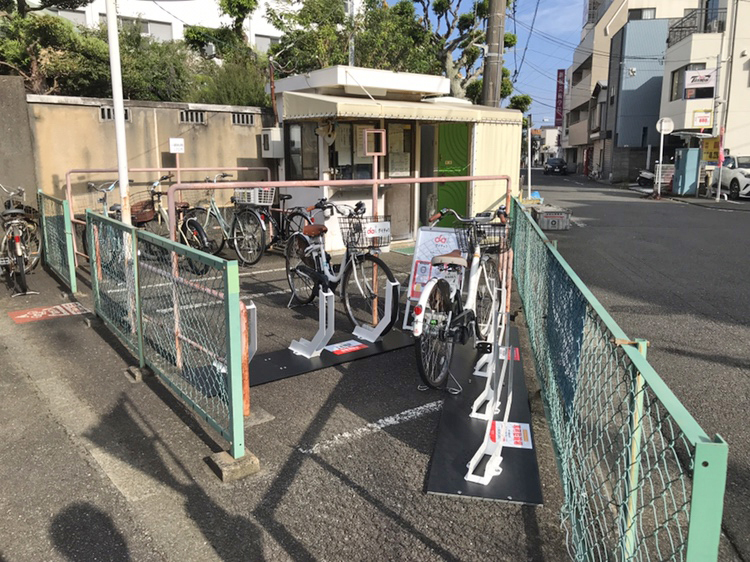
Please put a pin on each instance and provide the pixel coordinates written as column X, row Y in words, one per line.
column 735, row 176
column 556, row 166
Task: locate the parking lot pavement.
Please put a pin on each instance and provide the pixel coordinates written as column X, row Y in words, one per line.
column 93, row 463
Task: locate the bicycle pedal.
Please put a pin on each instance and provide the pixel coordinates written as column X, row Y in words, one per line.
column 484, row 347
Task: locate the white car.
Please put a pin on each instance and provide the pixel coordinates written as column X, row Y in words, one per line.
column 735, row 176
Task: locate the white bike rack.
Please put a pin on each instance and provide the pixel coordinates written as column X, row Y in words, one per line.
column 483, row 367
column 313, row 348
column 371, row 334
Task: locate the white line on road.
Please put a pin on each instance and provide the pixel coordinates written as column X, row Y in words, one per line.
column 215, row 302
column 373, row 427
column 245, row 273
column 578, row 222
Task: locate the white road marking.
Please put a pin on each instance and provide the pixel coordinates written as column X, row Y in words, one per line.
column 215, row 302
column 373, row 427
column 578, row 222
column 251, row 272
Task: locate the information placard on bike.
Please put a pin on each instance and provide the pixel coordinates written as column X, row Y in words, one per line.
column 431, row 241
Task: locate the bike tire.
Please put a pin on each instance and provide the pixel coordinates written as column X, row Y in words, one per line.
column 303, row 287
column 211, row 227
column 20, row 274
column 433, row 348
column 295, row 222
column 195, row 237
column 248, row 236
column 358, row 294
column 489, row 280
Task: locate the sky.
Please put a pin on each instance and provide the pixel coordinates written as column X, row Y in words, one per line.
column 556, row 33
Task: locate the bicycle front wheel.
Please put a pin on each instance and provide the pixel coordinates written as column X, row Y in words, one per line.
column 194, row 236
column 489, row 280
column 212, row 228
column 363, row 290
column 304, row 288
column 248, row 236
column 433, row 348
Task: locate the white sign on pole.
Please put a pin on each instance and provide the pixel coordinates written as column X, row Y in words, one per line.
column 665, row 125
column 703, row 118
column 176, row 146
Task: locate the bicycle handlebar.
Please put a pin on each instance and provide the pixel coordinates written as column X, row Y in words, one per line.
column 500, row 213
column 18, row 192
column 324, row 204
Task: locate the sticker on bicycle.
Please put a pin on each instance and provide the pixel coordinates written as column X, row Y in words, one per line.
column 346, row 347
column 377, row 229
column 47, row 312
column 517, row 435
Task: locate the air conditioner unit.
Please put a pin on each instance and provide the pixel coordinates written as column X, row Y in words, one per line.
column 271, row 145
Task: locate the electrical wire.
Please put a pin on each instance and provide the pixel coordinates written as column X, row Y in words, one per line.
column 528, row 39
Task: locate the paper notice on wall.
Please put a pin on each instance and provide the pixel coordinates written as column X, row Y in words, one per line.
column 395, row 140
column 399, row 164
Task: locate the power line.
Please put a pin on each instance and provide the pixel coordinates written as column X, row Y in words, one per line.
column 528, row 39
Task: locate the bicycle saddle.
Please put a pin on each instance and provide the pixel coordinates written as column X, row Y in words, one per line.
column 314, row 229
column 284, row 197
column 116, row 207
column 453, row 258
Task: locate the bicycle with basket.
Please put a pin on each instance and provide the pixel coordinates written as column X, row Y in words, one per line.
column 455, row 306
column 257, row 230
column 363, row 277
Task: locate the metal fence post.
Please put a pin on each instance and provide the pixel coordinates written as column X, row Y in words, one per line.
column 234, row 357
column 706, row 504
column 629, row 529
column 69, row 246
column 137, row 292
column 92, row 232
column 43, row 221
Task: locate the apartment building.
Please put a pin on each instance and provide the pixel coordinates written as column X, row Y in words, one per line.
column 166, row 21
column 591, row 68
column 707, row 75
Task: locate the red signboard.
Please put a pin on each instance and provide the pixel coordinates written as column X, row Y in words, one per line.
column 559, row 98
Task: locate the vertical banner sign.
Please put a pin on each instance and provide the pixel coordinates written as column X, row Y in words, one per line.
column 559, row 98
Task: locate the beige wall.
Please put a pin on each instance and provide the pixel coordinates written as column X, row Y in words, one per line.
column 496, row 151
column 68, row 134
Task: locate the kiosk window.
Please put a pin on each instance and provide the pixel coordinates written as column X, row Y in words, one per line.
column 302, row 151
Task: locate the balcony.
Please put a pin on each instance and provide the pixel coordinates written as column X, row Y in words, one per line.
column 697, row 21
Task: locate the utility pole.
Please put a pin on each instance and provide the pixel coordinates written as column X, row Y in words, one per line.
column 493, row 58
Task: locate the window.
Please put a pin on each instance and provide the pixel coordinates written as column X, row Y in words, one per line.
column 161, row 31
column 678, row 80
column 263, row 42
column 242, row 119
column 107, row 113
column 642, row 14
column 193, row 117
column 78, row 18
column 301, row 151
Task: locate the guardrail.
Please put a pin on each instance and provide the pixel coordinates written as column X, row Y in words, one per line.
column 57, row 243
column 641, row 479
column 179, row 311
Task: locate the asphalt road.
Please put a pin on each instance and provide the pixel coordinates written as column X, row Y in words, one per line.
column 94, row 467
column 676, row 274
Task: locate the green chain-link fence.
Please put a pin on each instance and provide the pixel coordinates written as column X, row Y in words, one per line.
column 641, row 479
column 178, row 309
column 57, row 233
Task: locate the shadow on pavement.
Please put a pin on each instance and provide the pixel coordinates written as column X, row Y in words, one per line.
column 83, row 532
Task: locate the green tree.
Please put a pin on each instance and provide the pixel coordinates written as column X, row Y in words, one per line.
column 522, row 102
column 54, row 57
column 238, row 81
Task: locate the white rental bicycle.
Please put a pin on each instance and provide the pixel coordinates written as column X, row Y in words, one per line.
column 442, row 317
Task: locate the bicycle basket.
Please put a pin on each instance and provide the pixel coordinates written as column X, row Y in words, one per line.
column 492, row 237
column 363, row 233
column 142, row 207
column 263, row 196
